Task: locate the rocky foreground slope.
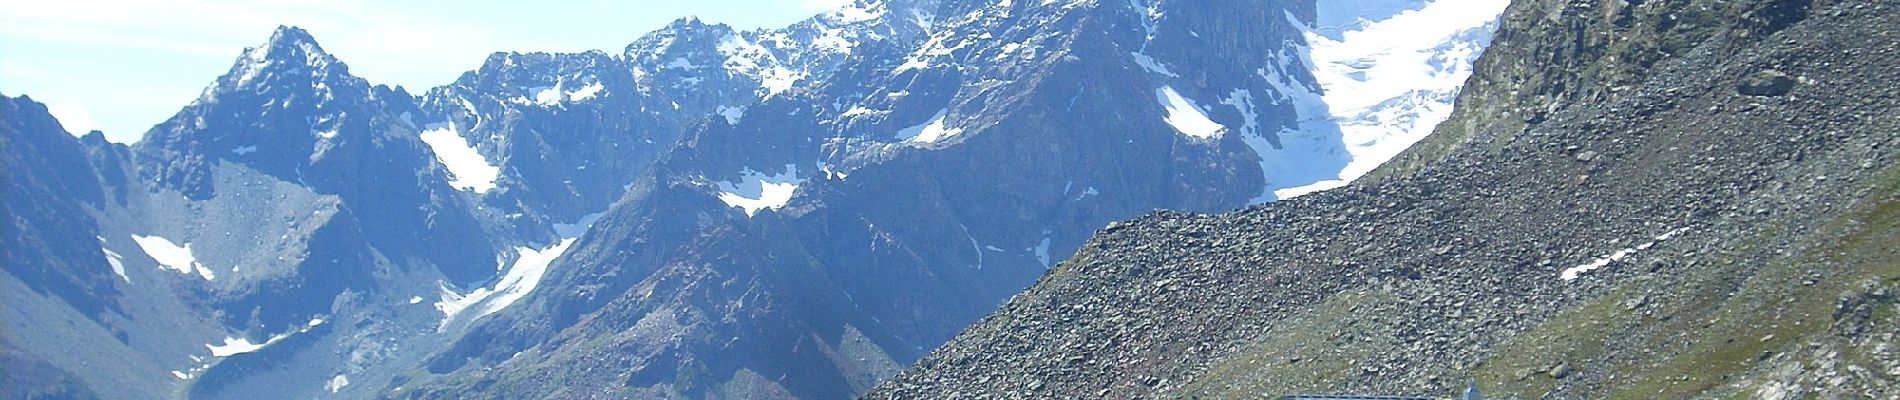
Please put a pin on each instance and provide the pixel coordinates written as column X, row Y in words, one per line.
column 1662, row 199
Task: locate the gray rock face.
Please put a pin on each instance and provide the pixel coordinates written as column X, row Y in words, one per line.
column 1716, row 245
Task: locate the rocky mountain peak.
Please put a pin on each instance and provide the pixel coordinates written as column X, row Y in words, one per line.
column 290, row 53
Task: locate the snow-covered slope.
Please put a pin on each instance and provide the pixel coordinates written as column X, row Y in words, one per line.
column 1388, row 71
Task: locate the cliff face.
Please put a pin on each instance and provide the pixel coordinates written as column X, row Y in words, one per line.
column 1660, row 199
column 1553, row 54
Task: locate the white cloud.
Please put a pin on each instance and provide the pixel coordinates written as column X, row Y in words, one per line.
column 822, row 5
column 75, row 118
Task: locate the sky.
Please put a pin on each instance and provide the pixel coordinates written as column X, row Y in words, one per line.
column 121, row 66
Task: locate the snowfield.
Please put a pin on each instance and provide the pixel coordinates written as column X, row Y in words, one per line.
column 172, row 256
column 1388, row 72
column 1185, row 116
column 755, row 191
column 472, row 171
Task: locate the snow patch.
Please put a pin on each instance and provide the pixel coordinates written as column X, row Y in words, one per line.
column 415, row 299
column 234, row 346
column 930, row 131
column 857, row 111
column 577, row 228
column 239, row 345
column 172, row 256
column 546, row 95
column 1573, row 272
column 1042, row 250
column 521, row 278
column 585, row 92
column 337, row 383
column 1149, row 64
column 756, row 191
column 244, row 150
column 777, row 80
column 471, row 171
column 732, row 114
column 1185, row 116
column 113, row 259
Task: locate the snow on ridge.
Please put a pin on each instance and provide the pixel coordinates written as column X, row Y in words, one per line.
column 172, row 256
column 1185, row 116
column 471, row 171
column 1572, row 273
column 756, row 191
column 930, row 131
column 854, row 13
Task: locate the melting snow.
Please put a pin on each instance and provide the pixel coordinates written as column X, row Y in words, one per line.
column 1186, row 117
column 930, row 131
column 521, row 278
column 470, row 170
column 756, row 191
column 172, row 256
column 1573, row 272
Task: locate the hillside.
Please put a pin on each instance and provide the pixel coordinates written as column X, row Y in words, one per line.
column 1681, row 199
column 708, row 212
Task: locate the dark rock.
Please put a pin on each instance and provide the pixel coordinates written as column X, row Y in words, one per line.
column 1765, row 83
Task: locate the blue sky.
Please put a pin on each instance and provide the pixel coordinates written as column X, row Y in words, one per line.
column 123, row 65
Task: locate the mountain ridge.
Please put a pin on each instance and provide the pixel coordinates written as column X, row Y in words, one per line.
column 708, row 213
column 1683, row 237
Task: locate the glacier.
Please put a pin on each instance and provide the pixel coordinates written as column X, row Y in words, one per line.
column 1388, row 73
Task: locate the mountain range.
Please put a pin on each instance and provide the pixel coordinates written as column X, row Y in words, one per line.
column 808, row 211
